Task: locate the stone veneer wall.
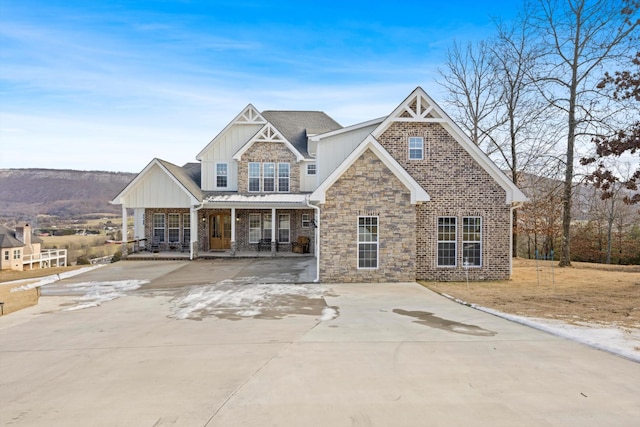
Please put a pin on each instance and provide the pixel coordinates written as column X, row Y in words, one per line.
column 263, row 152
column 458, row 187
column 368, row 187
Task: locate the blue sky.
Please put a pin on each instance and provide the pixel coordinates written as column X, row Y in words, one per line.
column 108, row 85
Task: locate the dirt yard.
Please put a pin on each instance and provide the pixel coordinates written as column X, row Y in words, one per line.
column 593, row 293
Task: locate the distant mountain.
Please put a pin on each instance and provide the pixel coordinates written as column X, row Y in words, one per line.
column 25, row 193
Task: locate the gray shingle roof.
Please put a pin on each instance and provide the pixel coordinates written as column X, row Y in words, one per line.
column 183, row 175
column 8, row 239
column 297, row 125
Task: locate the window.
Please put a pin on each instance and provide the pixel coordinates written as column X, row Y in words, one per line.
column 158, row 227
column 446, row 242
column 254, row 228
column 269, row 177
column 306, row 220
column 16, row 254
column 254, row 176
column 311, row 169
column 266, row 226
column 186, row 228
column 283, row 177
column 6, row 255
column 368, row 242
column 416, row 148
column 284, row 222
column 472, row 241
column 222, row 173
column 174, row 227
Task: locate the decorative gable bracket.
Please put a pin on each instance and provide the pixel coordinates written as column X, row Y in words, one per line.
column 268, row 133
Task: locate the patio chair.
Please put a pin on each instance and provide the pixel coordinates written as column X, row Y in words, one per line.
column 301, row 246
column 155, row 245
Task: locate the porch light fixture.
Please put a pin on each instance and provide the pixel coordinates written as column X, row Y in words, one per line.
column 238, row 218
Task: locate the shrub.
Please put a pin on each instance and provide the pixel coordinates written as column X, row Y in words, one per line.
column 116, row 257
column 83, row 260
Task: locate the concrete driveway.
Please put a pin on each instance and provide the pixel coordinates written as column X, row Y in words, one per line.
column 207, row 344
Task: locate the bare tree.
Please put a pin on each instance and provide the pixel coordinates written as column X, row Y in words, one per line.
column 470, row 79
column 578, row 38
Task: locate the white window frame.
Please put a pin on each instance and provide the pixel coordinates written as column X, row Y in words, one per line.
column 361, row 241
column 16, row 254
column 281, row 230
column 161, row 238
column 416, row 145
column 253, row 177
column 186, row 228
column 6, row 255
column 312, row 169
column 173, row 227
column 447, row 241
column 282, row 179
column 222, row 174
column 266, row 226
column 269, row 182
column 477, row 240
column 255, row 232
column 306, row 220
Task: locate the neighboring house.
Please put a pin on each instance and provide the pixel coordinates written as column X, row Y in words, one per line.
column 16, row 245
column 403, row 197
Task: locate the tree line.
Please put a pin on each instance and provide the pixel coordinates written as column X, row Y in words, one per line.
column 555, row 94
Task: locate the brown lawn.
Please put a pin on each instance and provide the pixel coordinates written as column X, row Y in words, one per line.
column 585, row 292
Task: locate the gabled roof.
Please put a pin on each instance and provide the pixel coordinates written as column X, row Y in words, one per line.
column 418, row 194
column 268, row 133
column 420, row 107
column 179, row 175
column 8, row 239
column 297, row 126
column 248, row 116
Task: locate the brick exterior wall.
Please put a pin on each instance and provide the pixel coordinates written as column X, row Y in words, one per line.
column 458, row 187
column 264, row 152
column 368, row 187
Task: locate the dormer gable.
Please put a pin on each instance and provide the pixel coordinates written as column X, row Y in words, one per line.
column 248, row 116
column 268, row 133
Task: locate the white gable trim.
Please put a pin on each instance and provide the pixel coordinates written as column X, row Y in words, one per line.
column 418, row 194
column 346, row 129
column 193, row 200
column 248, row 116
column 268, row 133
column 427, row 110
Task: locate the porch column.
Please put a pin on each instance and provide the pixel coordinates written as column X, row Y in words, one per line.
column 233, row 231
column 123, row 248
column 273, row 232
column 193, row 238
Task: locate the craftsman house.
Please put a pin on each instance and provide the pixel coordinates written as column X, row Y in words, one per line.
column 403, row 197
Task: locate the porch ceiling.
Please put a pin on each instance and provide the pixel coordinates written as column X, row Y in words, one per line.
column 257, row 201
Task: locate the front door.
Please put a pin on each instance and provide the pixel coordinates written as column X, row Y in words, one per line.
column 220, row 226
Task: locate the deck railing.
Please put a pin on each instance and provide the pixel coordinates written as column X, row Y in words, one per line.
column 46, row 258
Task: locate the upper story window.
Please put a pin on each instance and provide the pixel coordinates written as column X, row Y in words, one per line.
column 268, row 177
column 254, row 177
column 283, row 177
column 311, row 169
column 272, row 179
column 416, row 148
column 222, row 175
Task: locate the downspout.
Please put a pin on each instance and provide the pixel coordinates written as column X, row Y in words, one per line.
column 514, row 206
column 317, row 239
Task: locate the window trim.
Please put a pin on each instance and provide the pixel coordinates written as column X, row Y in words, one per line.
column 255, row 178
column 186, row 227
column 6, row 255
column 173, row 227
column 287, row 178
column 17, row 254
column 225, row 176
column 479, row 242
column 265, row 178
column 267, row 227
column 315, row 169
column 253, row 216
column 415, row 149
column 376, row 242
column 163, row 237
column 288, row 229
column 454, row 241
column 306, row 223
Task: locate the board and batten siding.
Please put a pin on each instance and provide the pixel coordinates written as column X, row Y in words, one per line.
column 222, row 151
column 157, row 190
column 333, row 150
